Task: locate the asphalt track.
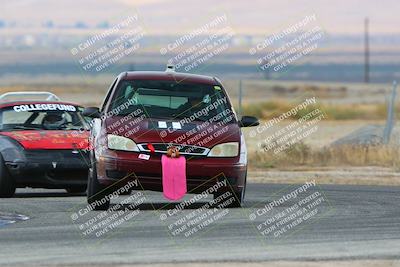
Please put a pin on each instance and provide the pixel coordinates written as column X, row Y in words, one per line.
column 352, row 222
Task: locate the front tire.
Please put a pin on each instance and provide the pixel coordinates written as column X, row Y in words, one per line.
column 237, row 195
column 7, row 183
column 96, row 193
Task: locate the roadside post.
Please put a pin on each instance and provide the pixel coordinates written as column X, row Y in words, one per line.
column 390, row 114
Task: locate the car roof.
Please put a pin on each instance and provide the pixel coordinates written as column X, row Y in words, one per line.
column 27, row 102
column 168, row 76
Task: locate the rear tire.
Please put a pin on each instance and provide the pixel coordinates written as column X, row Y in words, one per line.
column 76, row 190
column 7, row 183
column 96, row 192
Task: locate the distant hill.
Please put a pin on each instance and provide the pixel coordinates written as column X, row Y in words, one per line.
column 178, row 16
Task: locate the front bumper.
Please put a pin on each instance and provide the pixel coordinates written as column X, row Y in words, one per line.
column 201, row 172
column 50, row 168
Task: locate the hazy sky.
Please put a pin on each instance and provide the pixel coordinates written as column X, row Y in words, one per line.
column 178, row 16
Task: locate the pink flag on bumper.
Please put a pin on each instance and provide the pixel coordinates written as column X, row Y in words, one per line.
column 173, row 177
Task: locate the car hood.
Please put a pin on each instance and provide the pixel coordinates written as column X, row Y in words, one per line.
column 195, row 133
column 50, row 139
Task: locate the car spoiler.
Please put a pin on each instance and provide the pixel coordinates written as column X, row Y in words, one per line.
column 45, row 96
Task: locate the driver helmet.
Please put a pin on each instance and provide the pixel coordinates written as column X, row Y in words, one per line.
column 53, row 121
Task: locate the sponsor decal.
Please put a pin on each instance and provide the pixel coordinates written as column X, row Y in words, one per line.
column 169, row 125
column 44, row 107
column 162, row 124
column 176, row 125
column 144, row 156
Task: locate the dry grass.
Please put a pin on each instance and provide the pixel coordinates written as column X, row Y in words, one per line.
column 351, row 101
column 346, row 155
column 270, row 109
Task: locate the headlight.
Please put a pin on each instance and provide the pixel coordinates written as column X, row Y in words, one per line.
column 121, row 143
column 225, row 150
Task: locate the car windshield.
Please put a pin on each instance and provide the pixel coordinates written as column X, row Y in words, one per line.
column 43, row 116
column 170, row 100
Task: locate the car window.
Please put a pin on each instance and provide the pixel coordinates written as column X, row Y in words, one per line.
column 14, row 118
column 169, row 99
column 172, row 102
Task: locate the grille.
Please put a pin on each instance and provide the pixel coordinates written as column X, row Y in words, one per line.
column 183, row 149
column 55, row 155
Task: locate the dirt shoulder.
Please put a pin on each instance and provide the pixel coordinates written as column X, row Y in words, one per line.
column 355, row 263
column 329, row 175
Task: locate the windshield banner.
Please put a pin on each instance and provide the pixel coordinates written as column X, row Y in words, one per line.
column 43, row 107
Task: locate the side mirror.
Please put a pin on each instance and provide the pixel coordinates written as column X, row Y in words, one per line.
column 91, row 112
column 248, row 121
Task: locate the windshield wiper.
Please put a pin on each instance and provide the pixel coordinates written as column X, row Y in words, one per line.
column 202, row 120
column 161, row 118
column 21, row 127
column 73, row 128
column 196, row 119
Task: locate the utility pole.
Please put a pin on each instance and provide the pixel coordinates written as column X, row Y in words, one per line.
column 366, row 50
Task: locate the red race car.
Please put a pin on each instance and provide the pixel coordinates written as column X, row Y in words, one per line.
column 43, row 143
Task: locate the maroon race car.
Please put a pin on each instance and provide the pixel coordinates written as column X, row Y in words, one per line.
column 146, row 113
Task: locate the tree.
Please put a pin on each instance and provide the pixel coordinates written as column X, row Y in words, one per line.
column 80, row 25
